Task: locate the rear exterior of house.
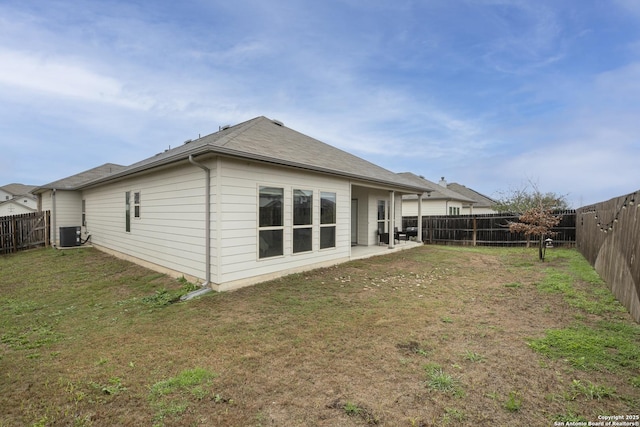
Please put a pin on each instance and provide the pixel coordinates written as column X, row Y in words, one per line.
column 263, row 220
column 244, row 205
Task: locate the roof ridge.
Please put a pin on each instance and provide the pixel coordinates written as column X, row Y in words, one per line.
column 241, row 128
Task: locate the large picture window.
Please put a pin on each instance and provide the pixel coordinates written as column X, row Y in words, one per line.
column 327, row 220
column 270, row 222
column 302, row 220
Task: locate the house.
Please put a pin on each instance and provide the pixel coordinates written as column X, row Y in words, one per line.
column 65, row 201
column 439, row 201
column 445, row 199
column 482, row 204
column 248, row 203
column 17, row 199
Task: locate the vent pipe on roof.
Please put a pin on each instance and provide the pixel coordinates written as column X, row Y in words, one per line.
column 223, row 127
column 277, row 122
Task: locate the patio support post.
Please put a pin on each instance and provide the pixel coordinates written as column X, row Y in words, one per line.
column 392, row 217
column 419, row 236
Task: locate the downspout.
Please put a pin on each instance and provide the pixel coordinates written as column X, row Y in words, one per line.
column 207, row 233
column 53, row 218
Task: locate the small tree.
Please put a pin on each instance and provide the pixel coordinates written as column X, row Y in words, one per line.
column 521, row 200
column 536, row 213
column 537, row 222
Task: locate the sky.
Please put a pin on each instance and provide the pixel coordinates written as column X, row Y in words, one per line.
column 496, row 95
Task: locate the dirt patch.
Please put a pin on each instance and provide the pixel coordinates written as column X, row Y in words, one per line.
column 429, row 336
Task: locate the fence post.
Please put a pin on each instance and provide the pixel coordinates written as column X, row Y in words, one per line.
column 475, row 229
column 14, row 235
column 47, row 231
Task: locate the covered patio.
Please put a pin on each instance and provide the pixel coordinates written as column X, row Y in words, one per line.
column 361, row 252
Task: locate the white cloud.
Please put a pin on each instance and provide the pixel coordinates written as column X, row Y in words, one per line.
column 62, row 77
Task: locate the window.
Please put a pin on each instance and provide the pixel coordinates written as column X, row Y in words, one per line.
column 327, row 220
column 270, row 222
column 84, row 214
column 136, row 204
column 382, row 215
column 302, row 220
column 127, row 211
column 454, row 210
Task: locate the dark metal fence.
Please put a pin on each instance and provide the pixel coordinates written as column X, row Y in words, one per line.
column 487, row 229
column 20, row 232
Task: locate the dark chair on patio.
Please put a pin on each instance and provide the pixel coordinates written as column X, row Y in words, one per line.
column 383, row 238
column 399, row 235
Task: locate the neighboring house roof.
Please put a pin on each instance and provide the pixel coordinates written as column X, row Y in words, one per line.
column 77, row 180
column 270, row 141
column 439, row 192
column 481, row 200
column 19, row 189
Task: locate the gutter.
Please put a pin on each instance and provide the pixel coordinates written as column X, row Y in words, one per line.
column 206, row 288
column 223, row 151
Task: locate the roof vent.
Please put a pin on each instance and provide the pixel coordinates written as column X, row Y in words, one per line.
column 277, row 122
column 224, row 127
column 187, row 141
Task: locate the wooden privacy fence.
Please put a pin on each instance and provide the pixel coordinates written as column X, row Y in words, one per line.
column 608, row 236
column 487, row 230
column 20, row 232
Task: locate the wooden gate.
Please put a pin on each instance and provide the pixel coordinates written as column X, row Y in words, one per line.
column 25, row 231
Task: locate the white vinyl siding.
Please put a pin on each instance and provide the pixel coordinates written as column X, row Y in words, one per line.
column 13, row 208
column 476, row 211
column 429, row 207
column 239, row 185
column 68, row 210
column 171, row 231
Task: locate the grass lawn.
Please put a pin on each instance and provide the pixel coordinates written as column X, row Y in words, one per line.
column 429, row 336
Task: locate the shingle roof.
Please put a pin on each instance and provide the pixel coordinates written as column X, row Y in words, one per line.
column 75, row 181
column 439, row 192
column 269, row 141
column 482, row 201
column 18, row 189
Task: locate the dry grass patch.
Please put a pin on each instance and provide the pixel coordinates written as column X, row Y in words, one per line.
column 430, row 336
